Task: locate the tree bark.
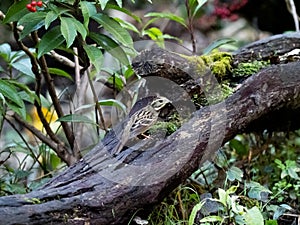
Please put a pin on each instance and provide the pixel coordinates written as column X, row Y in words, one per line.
column 100, row 189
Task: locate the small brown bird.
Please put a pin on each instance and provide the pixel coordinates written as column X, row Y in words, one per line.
column 142, row 116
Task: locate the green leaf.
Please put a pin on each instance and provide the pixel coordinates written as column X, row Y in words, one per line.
column 280, row 165
column 293, row 173
column 167, row 36
column 254, row 217
column 156, row 35
column 123, row 10
column 5, row 51
column 103, row 3
column 191, row 2
column 232, row 190
column 221, row 159
column 88, row 9
column 113, row 102
column 238, row 146
column 211, row 219
column 54, row 161
column 198, row 7
column 119, row 2
column 110, row 46
column 170, row 16
column 256, row 189
column 222, row 196
column 24, row 66
column 50, row 17
column 95, row 56
column 234, row 173
column 194, row 212
column 16, row 11
column 201, row 2
column 59, row 72
column 116, row 80
column 29, row 97
column 68, row 30
column 86, row 106
column 51, row 40
column 16, row 55
column 12, row 97
column 19, row 110
column 271, row 222
column 2, row 113
column 22, row 86
column 75, row 118
column 114, row 28
column 217, row 44
column 32, row 22
column 280, row 210
column 127, row 25
column 10, row 93
column 80, row 28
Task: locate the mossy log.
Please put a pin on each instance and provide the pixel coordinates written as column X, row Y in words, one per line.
column 99, row 189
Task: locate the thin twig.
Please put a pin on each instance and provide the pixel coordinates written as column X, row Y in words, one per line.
column 59, row 148
column 63, row 60
column 38, row 78
column 292, row 9
column 190, row 25
column 97, row 106
column 80, row 89
column 76, row 4
column 23, row 139
column 57, row 106
column 77, row 69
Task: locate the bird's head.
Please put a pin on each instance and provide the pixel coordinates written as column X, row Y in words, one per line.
column 159, row 102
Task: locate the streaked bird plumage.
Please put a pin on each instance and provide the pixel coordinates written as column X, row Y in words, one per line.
column 142, row 116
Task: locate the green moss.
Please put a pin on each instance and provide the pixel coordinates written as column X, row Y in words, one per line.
column 167, row 127
column 218, row 62
column 201, row 65
column 249, row 68
column 33, row 200
column 226, row 90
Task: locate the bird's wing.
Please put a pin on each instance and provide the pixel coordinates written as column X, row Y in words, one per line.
column 143, row 120
column 122, row 134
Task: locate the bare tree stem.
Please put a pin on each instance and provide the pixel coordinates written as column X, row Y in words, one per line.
column 59, row 148
column 292, row 9
column 96, row 100
column 190, row 25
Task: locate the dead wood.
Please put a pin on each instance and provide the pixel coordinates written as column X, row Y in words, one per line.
column 99, row 189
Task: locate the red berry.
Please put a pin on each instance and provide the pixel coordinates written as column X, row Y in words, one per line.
column 33, row 3
column 29, row 6
column 33, row 9
column 39, row 3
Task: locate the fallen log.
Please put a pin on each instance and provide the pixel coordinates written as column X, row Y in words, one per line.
column 101, row 189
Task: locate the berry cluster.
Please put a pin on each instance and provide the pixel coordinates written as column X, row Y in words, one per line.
column 32, row 6
column 227, row 9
